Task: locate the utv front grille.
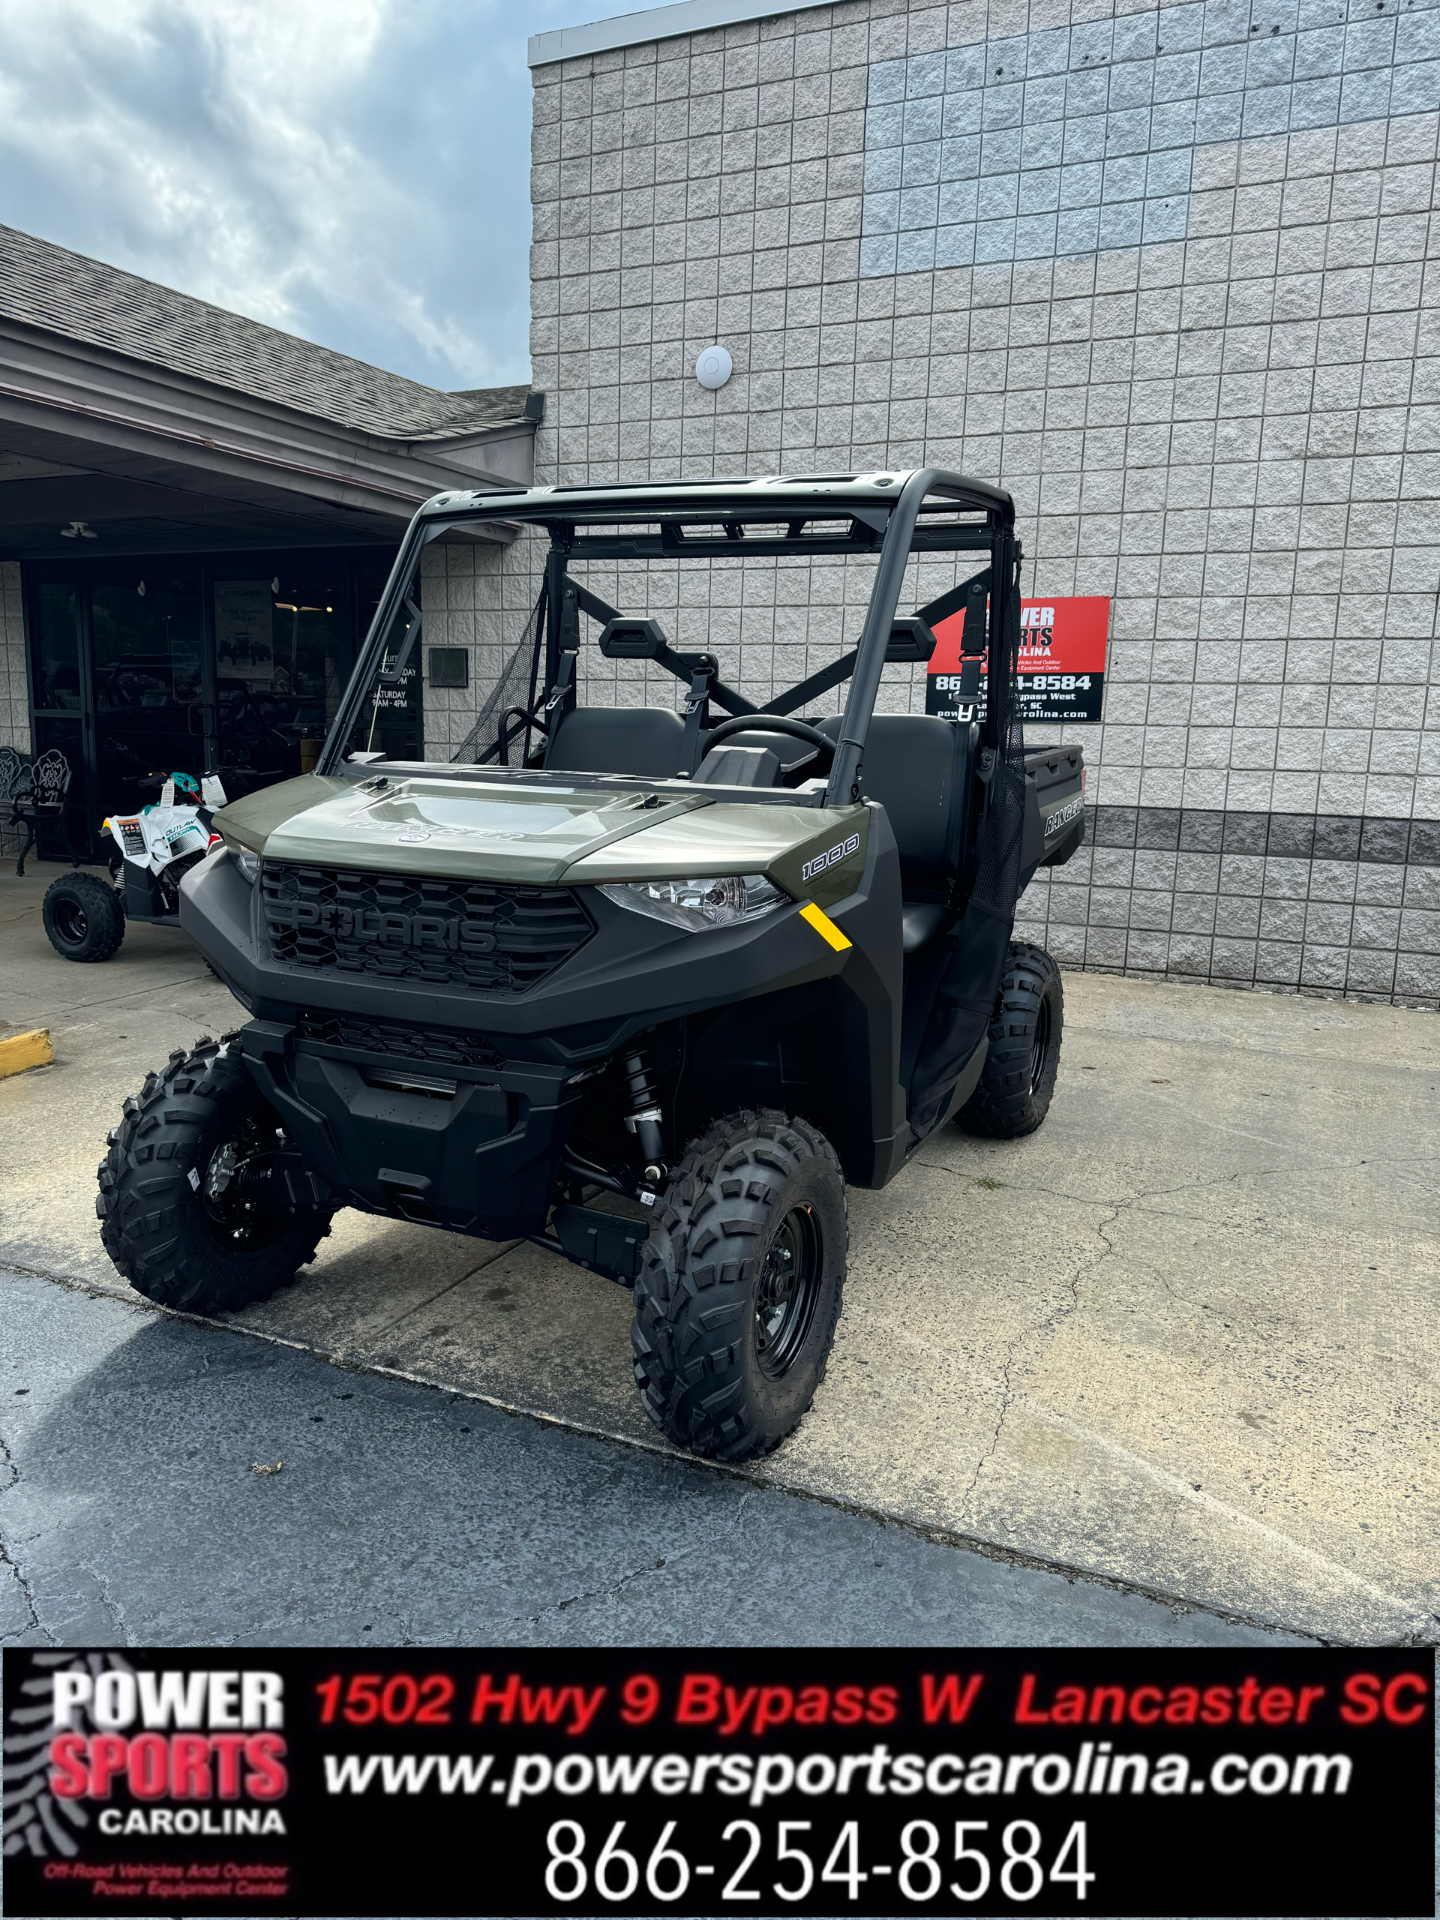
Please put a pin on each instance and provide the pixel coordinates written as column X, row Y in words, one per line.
column 498, row 939
column 435, row 1046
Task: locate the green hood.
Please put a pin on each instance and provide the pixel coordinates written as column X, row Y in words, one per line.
column 545, row 834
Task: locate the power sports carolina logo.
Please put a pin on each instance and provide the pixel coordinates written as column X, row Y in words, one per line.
column 831, row 857
column 96, row 1746
column 39, row 1822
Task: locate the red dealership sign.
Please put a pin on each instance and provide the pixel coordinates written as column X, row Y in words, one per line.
column 1062, row 660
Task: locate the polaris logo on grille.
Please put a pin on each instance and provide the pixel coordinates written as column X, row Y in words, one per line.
column 430, row 932
column 830, row 857
column 1063, row 815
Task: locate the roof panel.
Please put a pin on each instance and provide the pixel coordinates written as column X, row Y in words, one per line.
column 764, row 496
column 49, row 287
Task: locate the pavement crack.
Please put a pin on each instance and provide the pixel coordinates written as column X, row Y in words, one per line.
column 7, row 1559
column 614, row 1588
column 113, row 1608
column 1047, row 1323
column 988, row 1451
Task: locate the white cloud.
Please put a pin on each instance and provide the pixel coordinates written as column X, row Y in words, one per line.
column 352, row 170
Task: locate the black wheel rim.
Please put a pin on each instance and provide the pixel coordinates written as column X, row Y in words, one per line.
column 788, row 1291
column 235, row 1187
column 1040, row 1047
column 70, row 923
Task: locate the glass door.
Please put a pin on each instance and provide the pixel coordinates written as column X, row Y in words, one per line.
column 146, row 644
column 61, row 714
column 282, row 652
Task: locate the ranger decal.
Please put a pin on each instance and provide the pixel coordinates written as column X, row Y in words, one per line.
column 1054, row 821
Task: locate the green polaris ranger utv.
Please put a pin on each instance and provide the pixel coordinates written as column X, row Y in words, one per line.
column 646, row 984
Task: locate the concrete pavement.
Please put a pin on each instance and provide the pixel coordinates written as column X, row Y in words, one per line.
column 393, row 1514
column 1185, row 1337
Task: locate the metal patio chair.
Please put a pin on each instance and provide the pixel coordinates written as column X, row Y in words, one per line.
column 37, row 793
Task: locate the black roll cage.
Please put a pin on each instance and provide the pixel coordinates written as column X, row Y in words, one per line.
column 896, row 523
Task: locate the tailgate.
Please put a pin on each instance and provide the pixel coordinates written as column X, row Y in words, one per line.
column 1054, row 805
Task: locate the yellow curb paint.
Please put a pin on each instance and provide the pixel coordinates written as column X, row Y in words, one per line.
column 825, row 927
column 21, row 1050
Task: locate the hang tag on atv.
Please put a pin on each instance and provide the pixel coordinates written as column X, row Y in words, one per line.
column 167, row 794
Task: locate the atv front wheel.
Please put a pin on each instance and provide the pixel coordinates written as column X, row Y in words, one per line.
column 1018, row 1078
column 83, row 916
column 739, row 1285
column 195, row 1208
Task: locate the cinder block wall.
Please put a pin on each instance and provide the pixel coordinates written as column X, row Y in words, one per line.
column 1165, row 275
column 14, row 695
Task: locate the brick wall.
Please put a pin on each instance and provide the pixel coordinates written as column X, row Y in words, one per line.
column 1225, row 414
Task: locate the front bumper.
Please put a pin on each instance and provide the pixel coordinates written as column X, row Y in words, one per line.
column 471, row 1148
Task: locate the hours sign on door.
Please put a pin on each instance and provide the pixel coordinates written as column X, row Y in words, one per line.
column 1062, row 661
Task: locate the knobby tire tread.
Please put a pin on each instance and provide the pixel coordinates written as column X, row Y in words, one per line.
column 104, row 912
column 1002, row 1106
column 148, row 1211
column 696, row 1270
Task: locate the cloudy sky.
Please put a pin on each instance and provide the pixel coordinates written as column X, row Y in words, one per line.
column 352, row 170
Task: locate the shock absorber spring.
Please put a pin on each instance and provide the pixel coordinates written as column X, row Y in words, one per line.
column 645, row 1118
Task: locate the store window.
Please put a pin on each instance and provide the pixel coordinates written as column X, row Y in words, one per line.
column 229, row 663
column 56, row 632
column 280, row 652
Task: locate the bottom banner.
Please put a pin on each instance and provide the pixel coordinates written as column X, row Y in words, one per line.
column 463, row 1782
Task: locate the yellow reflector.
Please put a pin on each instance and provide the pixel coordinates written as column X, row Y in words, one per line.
column 825, row 927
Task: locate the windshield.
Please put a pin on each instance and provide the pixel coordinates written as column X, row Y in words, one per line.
column 390, row 723
column 487, row 647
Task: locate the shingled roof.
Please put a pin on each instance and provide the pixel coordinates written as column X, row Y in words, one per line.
column 49, row 287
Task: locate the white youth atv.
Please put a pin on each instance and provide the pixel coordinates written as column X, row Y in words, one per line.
column 85, row 916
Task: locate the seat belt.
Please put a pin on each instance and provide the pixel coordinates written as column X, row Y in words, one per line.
column 562, row 700
column 972, row 596
column 697, row 715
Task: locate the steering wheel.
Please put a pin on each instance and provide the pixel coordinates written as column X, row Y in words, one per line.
column 770, row 723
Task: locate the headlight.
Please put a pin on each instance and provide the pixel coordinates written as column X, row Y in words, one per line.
column 245, row 860
column 697, row 904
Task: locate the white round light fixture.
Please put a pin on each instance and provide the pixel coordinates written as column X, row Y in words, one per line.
column 714, row 367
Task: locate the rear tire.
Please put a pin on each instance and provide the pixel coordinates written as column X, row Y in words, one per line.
column 84, row 918
column 1018, row 1079
column 177, row 1215
column 739, row 1286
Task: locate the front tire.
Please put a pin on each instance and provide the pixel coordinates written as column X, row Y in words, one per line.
column 740, row 1284
column 195, row 1207
column 84, row 918
column 1018, row 1079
